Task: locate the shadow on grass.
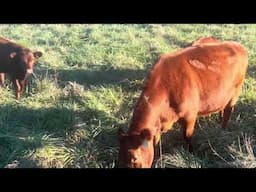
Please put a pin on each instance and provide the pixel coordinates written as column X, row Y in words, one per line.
column 252, row 71
column 102, row 131
column 23, row 131
column 94, row 77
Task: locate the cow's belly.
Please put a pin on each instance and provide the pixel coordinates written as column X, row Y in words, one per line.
column 213, row 105
column 206, row 112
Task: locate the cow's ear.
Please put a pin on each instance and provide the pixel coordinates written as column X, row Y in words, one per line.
column 12, row 55
column 146, row 134
column 37, row 54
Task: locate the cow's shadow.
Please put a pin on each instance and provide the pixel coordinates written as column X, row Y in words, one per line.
column 24, row 130
column 94, row 77
column 27, row 130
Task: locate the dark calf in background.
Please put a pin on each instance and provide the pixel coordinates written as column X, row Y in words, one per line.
column 17, row 61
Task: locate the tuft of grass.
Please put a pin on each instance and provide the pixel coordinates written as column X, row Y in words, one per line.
column 51, row 153
column 180, row 158
column 242, row 152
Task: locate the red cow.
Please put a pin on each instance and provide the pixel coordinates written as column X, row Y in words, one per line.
column 18, row 62
column 196, row 81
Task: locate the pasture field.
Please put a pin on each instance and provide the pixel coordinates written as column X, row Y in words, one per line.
column 87, row 83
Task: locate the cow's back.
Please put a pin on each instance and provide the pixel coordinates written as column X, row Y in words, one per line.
column 201, row 78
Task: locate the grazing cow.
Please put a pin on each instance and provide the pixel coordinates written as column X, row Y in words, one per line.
column 18, row 62
column 196, row 81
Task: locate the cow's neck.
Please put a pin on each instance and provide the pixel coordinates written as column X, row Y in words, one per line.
column 147, row 112
column 153, row 112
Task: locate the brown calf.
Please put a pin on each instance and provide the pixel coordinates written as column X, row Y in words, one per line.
column 195, row 81
column 18, row 62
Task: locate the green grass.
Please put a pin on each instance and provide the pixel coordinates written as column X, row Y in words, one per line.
column 88, row 81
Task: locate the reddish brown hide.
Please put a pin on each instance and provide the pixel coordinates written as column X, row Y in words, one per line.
column 18, row 62
column 196, row 81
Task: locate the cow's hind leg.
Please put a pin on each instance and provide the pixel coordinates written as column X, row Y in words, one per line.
column 230, row 106
column 188, row 125
column 221, row 114
column 22, row 86
column 227, row 113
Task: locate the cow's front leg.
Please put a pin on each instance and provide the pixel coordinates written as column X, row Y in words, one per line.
column 22, row 86
column 17, row 87
column 2, row 79
column 188, row 124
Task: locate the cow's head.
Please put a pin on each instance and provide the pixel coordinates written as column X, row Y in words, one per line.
column 23, row 62
column 21, row 66
column 136, row 150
